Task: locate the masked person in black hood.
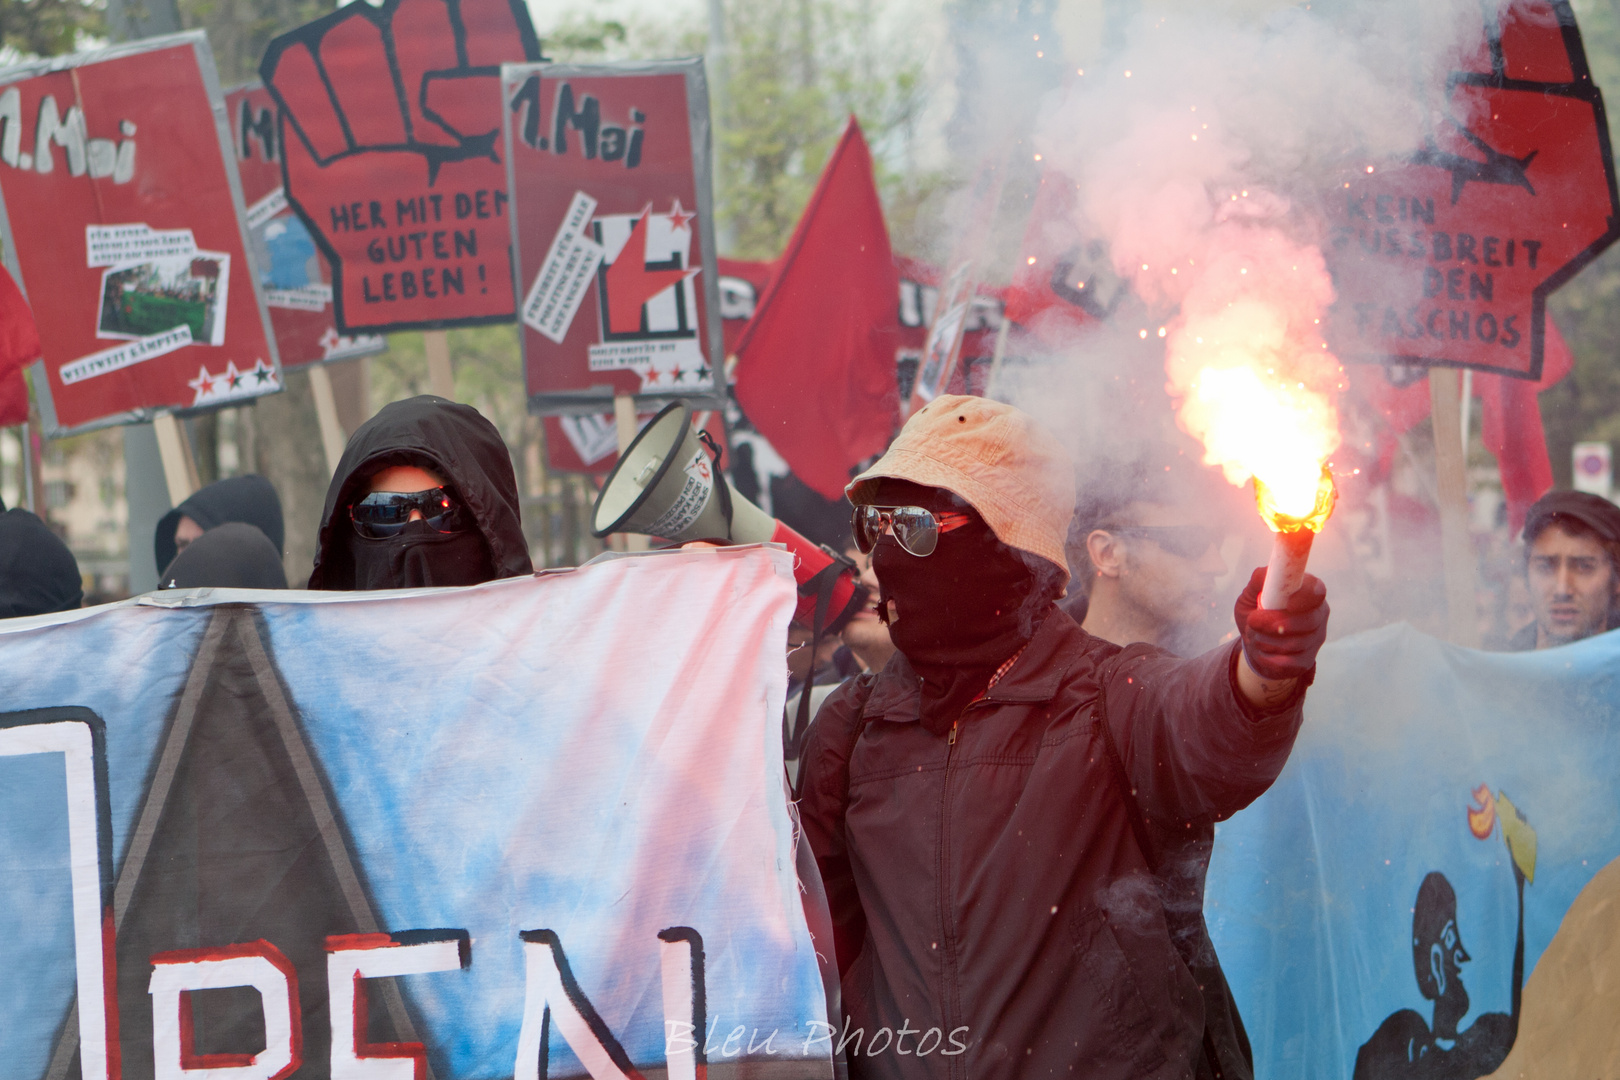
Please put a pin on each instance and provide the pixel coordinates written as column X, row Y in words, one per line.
column 249, row 499
column 424, row 495
column 38, row 574
column 234, row 556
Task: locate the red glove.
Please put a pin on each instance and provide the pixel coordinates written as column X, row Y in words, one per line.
column 1282, row 644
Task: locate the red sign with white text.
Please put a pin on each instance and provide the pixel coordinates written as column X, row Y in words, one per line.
column 611, row 217
column 294, row 276
column 1449, row 256
column 390, row 124
column 123, row 218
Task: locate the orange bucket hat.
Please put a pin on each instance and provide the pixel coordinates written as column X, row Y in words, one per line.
column 1009, row 468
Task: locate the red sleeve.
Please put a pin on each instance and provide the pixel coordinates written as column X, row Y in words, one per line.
column 823, row 795
column 1194, row 752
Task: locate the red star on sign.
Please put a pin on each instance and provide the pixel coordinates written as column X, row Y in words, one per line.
column 678, row 218
column 630, row 284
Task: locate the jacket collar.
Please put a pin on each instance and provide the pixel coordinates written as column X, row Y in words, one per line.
column 1035, row 676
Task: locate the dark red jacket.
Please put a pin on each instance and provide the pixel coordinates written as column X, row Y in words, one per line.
column 988, row 884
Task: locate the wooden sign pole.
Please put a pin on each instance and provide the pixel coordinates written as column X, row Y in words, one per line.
column 1451, row 492
column 326, row 413
column 441, row 380
column 179, row 468
column 624, row 418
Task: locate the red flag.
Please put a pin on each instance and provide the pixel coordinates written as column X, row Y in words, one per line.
column 1056, row 267
column 19, row 347
column 815, row 368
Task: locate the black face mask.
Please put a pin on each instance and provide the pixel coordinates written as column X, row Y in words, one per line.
column 420, row 557
column 960, row 613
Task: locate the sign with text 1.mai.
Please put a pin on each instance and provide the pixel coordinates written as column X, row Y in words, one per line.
column 390, row 122
column 1448, row 256
column 292, row 273
column 614, row 228
column 122, row 215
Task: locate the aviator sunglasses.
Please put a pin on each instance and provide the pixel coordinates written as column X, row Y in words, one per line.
column 385, row 513
column 915, row 529
column 1185, row 541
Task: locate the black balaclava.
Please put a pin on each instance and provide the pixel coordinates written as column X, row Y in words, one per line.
column 419, row 557
column 38, row 574
column 235, row 555
column 963, row 610
column 251, row 499
column 458, row 444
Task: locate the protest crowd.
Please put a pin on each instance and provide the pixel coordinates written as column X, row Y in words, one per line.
column 1050, row 750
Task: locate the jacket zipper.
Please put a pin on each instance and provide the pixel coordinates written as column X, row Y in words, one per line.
column 946, row 910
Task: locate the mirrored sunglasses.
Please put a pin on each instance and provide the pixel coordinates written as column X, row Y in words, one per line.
column 386, row 513
column 915, row 529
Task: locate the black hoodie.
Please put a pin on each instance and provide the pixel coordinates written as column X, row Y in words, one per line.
column 453, row 440
column 234, row 556
column 38, row 573
column 249, row 499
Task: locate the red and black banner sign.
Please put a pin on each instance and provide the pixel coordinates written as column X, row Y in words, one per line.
column 614, row 228
column 390, row 129
column 1448, row 257
column 122, row 217
column 292, row 272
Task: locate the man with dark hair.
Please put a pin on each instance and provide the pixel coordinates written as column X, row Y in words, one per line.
column 1572, row 568
column 1012, row 819
column 1150, row 562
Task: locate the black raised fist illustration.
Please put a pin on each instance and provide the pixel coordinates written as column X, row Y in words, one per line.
column 390, row 124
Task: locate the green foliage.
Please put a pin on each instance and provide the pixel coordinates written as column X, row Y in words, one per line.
column 584, row 38
column 488, row 368
column 240, row 30
column 793, row 76
column 48, row 27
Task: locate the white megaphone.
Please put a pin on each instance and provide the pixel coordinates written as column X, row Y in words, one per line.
column 667, row 484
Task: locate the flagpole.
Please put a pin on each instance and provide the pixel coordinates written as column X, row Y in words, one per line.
column 995, row 359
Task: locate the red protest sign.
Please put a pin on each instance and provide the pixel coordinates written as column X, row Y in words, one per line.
column 1449, row 257
column 390, row 118
column 292, row 272
column 122, row 217
column 613, row 224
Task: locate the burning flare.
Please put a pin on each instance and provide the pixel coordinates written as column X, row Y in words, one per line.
column 1278, row 520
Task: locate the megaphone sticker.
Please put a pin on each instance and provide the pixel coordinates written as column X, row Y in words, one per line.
column 690, row 502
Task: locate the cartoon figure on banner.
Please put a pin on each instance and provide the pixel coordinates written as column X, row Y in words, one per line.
column 388, row 123
column 1405, row 1045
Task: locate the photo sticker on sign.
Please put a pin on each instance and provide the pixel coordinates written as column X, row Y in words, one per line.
column 292, row 270
column 135, row 261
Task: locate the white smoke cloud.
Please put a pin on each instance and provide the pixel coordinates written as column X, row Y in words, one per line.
column 1201, row 151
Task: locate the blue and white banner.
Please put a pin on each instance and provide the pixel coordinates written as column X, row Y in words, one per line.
column 533, row 828
column 1431, row 889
